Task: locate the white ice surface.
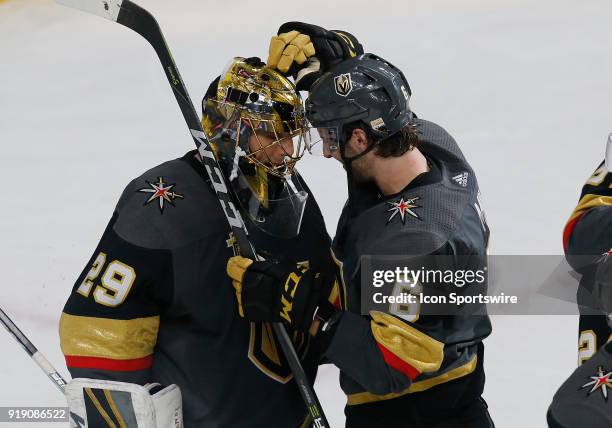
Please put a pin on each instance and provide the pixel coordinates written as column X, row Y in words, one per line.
column 524, row 87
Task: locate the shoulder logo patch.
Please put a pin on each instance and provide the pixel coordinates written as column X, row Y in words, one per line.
column 600, row 382
column 343, row 84
column 461, row 179
column 403, row 207
column 161, row 192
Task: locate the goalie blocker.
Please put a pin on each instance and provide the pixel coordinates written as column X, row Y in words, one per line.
column 100, row 403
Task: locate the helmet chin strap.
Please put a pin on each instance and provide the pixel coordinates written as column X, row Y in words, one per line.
column 353, row 194
column 349, row 160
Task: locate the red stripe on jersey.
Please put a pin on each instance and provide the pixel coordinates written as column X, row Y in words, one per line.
column 567, row 231
column 397, row 363
column 109, row 364
column 337, row 304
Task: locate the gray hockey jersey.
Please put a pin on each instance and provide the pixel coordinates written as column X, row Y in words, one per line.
column 584, row 398
column 588, row 236
column 154, row 304
column 384, row 356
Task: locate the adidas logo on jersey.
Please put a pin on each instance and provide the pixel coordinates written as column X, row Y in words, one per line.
column 461, row 179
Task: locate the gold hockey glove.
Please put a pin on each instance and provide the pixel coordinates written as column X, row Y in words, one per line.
column 305, row 51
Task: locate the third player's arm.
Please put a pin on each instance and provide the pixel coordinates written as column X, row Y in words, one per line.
column 592, row 233
column 589, row 228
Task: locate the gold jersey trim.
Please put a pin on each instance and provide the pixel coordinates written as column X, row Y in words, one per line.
column 108, row 338
column 341, row 290
column 412, row 346
column 265, row 352
column 590, row 201
column 456, row 373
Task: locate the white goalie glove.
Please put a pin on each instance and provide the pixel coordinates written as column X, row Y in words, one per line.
column 95, row 403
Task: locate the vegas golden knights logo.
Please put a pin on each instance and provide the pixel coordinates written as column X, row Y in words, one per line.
column 266, row 352
column 343, row 84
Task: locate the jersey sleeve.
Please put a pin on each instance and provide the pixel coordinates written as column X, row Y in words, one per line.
column 588, row 231
column 381, row 352
column 109, row 325
column 592, row 233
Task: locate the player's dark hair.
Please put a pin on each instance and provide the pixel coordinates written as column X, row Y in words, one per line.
column 395, row 145
column 399, row 143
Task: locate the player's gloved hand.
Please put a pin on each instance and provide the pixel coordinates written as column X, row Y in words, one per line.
column 305, row 51
column 271, row 291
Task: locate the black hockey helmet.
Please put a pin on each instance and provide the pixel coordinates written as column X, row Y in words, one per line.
column 366, row 88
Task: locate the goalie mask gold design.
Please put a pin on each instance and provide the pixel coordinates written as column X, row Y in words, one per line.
column 255, row 123
column 262, row 112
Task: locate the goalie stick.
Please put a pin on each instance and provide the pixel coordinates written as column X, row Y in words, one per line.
column 131, row 15
column 29, row 347
column 609, row 154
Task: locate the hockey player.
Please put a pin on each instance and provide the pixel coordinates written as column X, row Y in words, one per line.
column 154, row 303
column 588, row 232
column 411, row 192
column 587, row 239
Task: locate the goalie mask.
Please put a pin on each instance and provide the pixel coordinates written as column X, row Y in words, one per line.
column 255, row 123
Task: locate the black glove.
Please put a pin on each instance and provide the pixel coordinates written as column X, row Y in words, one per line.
column 278, row 292
column 305, row 51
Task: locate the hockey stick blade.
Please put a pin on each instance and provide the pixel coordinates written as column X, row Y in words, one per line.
column 106, row 9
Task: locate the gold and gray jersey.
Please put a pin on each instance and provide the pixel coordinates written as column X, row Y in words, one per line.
column 588, row 232
column 383, row 356
column 154, row 304
column 583, row 399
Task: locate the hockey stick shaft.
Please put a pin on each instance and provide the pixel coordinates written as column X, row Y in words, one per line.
column 141, row 21
column 29, row 347
column 608, row 162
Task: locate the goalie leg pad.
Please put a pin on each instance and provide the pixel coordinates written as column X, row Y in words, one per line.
column 97, row 403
